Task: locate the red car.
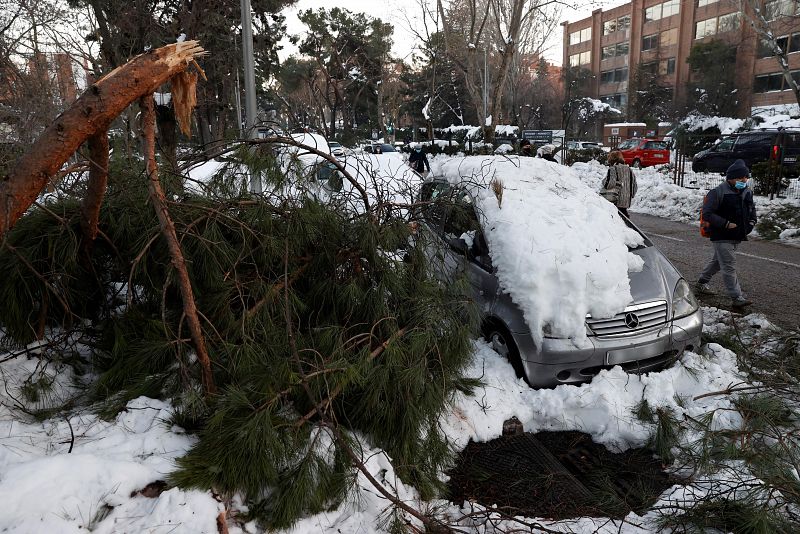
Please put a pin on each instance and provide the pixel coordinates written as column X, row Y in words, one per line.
column 644, row 152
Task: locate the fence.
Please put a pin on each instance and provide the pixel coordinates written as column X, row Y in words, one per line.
column 769, row 177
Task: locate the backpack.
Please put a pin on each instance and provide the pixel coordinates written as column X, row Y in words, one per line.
column 705, row 226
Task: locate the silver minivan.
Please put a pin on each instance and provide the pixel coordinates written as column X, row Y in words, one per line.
column 661, row 322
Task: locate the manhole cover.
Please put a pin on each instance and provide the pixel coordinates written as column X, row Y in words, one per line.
column 557, row 475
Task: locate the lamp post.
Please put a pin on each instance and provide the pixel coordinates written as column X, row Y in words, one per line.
column 249, row 85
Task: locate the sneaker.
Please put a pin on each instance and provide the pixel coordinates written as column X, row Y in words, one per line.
column 740, row 302
column 703, row 288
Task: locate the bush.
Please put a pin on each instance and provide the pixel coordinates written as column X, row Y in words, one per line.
column 771, row 225
column 765, row 178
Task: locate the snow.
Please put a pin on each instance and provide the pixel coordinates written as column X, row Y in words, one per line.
column 426, row 109
column 162, row 99
column 560, row 250
column 488, row 121
column 45, row 487
column 624, row 124
column 726, row 125
column 505, row 148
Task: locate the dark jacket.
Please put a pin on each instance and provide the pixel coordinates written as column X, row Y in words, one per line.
column 419, row 161
column 725, row 204
column 549, row 157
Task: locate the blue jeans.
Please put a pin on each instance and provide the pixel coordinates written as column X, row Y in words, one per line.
column 724, row 260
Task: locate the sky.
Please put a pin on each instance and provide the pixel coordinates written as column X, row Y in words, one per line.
column 399, row 12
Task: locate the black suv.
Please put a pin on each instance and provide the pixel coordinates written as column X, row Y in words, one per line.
column 752, row 147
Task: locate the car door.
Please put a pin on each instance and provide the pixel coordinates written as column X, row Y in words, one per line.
column 721, row 156
column 753, row 148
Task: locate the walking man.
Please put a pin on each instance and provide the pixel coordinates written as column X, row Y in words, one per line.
column 730, row 214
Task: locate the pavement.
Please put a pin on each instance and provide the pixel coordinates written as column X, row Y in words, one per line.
column 769, row 272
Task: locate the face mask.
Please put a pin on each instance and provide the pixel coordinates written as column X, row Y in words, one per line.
column 417, row 150
column 740, row 185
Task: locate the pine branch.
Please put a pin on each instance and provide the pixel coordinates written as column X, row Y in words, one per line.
column 168, row 230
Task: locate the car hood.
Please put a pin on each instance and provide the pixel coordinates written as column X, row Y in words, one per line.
column 656, row 280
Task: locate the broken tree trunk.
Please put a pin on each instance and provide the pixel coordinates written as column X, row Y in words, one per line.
column 168, row 230
column 96, row 189
column 88, row 116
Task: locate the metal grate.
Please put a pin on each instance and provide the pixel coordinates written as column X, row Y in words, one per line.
column 635, row 318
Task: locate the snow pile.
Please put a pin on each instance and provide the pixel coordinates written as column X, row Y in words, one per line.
column 81, row 473
column 505, row 148
column 560, row 250
column 696, row 122
column 592, row 106
column 658, row 196
column 779, row 121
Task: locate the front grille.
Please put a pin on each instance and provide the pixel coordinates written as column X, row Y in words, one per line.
column 635, row 318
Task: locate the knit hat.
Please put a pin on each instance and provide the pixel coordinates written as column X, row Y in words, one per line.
column 737, row 170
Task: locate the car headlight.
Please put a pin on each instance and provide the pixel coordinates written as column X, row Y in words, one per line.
column 683, row 301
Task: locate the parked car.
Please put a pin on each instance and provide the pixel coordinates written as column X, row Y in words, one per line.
column 336, row 148
column 662, row 320
column 753, row 147
column 644, row 152
column 378, row 148
column 584, row 145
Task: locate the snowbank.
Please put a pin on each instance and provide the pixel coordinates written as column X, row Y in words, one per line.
column 560, row 250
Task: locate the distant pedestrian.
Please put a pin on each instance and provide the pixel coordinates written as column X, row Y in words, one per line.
column 619, row 186
column 730, row 214
column 525, row 148
column 546, row 152
column 418, row 160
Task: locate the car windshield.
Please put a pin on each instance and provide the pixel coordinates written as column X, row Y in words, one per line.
column 334, row 144
column 385, row 147
column 630, row 143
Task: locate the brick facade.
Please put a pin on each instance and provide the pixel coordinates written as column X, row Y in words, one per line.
column 661, row 34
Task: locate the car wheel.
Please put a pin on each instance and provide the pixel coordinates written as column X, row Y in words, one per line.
column 503, row 344
column 637, row 164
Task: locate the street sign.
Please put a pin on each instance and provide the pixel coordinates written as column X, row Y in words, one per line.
column 538, row 136
column 374, row 135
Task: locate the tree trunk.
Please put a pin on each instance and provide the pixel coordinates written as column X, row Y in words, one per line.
column 168, row 230
column 88, row 116
column 96, row 189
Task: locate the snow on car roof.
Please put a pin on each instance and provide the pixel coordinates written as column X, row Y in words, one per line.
column 561, row 250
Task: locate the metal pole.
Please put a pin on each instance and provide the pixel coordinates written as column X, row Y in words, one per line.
column 238, row 96
column 485, row 88
column 249, row 85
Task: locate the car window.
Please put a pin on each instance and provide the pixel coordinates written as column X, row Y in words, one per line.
column 630, row 143
column 750, row 141
column 387, row 148
column 655, row 145
column 791, row 140
column 726, row 145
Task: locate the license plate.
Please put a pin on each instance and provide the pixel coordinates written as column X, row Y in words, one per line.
column 658, row 155
column 791, row 159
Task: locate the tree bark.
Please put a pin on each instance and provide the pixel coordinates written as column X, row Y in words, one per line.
column 96, row 189
column 168, row 230
column 88, row 116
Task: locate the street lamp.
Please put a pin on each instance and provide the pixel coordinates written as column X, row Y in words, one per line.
column 249, row 85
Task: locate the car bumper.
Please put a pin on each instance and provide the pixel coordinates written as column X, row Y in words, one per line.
column 560, row 362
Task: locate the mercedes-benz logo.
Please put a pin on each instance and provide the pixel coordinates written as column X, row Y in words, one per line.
column 631, row 321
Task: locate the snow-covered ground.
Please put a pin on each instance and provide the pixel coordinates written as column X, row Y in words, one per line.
column 657, row 195
column 79, row 473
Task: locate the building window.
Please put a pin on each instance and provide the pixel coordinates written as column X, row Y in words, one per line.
column 619, row 100
column 701, row 3
column 619, row 49
column 649, row 42
column 728, row 23
column 652, row 13
column 781, row 8
column 669, row 8
column 788, row 43
column 580, row 36
column 704, row 28
column 669, row 37
column 617, row 25
column 614, row 75
column 660, row 11
column 576, row 60
column 623, row 23
column 666, row 66
column 771, row 82
column 650, row 67
column 609, row 26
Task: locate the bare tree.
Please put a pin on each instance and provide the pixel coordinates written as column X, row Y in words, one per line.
column 756, row 15
column 476, row 31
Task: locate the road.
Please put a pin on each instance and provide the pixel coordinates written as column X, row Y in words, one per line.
column 769, row 273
